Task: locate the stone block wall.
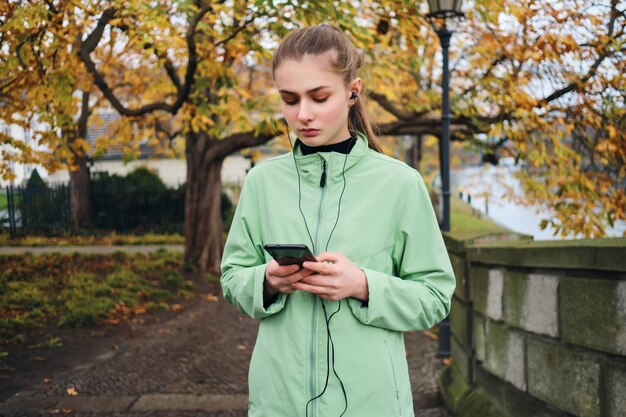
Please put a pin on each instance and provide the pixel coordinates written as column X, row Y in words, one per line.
column 538, row 328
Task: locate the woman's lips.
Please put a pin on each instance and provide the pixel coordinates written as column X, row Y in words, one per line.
column 309, row 132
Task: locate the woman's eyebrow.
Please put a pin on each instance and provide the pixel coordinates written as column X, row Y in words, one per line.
column 313, row 90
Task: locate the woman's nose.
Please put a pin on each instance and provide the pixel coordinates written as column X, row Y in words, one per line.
column 305, row 112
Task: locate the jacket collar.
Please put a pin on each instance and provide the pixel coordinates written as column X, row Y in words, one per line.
column 311, row 166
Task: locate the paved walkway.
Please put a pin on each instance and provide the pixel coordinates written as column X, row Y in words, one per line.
column 194, row 364
column 36, row 250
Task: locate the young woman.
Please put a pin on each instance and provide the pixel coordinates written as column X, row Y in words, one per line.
column 330, row 339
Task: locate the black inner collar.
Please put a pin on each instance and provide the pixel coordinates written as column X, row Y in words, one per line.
column 340, row 147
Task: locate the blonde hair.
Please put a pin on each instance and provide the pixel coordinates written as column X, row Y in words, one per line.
column 317, row 40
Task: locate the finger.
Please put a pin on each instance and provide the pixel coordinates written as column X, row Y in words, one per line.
column 284, row 270
column 314, row 289
column 320, row 267
column 299, row 275
column 330, row 257
column 287, row 289
column 320, row 281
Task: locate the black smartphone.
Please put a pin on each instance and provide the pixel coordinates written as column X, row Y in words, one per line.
column 290, row 254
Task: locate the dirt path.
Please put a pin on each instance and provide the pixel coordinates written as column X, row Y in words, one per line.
column 171, row 365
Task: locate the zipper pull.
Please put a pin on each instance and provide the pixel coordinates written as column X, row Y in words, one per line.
column 323, row 179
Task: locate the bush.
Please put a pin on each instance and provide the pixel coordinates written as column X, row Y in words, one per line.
column 138, row 202
column 44, row 209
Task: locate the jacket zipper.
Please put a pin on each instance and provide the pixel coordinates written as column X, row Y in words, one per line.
column 313, row 367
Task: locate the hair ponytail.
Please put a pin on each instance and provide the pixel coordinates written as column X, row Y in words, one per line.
column 316, row 40
column 359, row 122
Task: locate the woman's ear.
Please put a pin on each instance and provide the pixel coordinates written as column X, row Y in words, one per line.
column 355, row 88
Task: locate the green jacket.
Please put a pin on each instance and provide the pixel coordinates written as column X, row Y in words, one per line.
column 388, row 228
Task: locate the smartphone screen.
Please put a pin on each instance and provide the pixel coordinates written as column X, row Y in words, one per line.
column 290, row 254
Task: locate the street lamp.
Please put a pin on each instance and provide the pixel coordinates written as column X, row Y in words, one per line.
column 440, row 12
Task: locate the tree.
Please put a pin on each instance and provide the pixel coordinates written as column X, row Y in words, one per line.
column 542, row 81
column 552, row 90
column 199, row 71
column 212, row 59
column 46, row 92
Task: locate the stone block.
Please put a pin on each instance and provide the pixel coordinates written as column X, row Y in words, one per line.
column 593, row 313
column 615, row 386
column 101, row 404
column 505, row 354
column 478, row 286
column 486, row 287
column 564, row 378
column 462, row 399
column 492, row 386
column 494, row 297
column 453, row 386
column 461, row 358
column 513, row 402
column 458, row 266
column 189, row 402
column 458, row 322
column 478, row 334
column 530, row 302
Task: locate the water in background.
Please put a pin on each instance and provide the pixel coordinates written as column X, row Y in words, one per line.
column 487, row 186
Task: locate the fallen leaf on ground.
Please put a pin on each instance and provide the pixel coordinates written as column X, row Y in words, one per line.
column 71, row 391
column 447, row 361
column 176, row 307
column 241, row 347
column 184, row 360
column 430, row 335
column 210, row 297
column 163, row 331
column 47, row 380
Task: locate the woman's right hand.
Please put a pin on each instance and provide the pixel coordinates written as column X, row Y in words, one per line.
column 280, row 278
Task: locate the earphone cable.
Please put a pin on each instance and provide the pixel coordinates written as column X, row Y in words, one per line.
column 306, row 225
column 330, row 345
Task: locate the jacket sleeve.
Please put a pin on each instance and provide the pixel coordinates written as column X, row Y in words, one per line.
column 243, row 262
column 420, row 296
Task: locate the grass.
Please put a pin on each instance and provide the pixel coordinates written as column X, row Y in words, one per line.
column 80, row 290
column 464, row 218
column 105, row 239
column 3, row 200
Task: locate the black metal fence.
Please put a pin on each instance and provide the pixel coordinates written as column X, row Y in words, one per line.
column 46, row 210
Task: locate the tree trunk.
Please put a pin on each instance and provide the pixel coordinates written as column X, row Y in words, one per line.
column 80, row 189
column 415, row 153
column 80, row 198
column 204, row 231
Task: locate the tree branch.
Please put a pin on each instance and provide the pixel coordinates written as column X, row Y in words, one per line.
column 386, row 104
column 85, row 112
column 594, row 67
column 237, row 30
column 91, row 42
column 238, row 141
column 487, row 73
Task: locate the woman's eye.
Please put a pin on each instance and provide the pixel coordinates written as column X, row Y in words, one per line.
column 320, row 100
column 290, row 102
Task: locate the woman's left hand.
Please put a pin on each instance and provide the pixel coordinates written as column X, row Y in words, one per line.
column 335, row 277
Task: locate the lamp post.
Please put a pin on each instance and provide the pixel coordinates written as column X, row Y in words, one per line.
column 440, row 12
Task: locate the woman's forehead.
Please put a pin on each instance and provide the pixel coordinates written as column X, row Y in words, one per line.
column 309, row 73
